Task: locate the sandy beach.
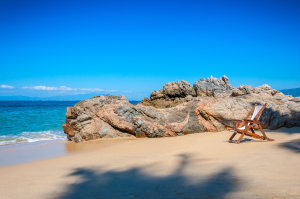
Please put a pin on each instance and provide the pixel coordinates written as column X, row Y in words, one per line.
column 200, row 165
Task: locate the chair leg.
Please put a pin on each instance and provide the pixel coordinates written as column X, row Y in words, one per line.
column 247, row 127
column 240, row 138
column 230, row 139
column 264, row 134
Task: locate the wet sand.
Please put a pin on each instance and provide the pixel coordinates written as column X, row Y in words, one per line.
column 28, row 152
column 200, row 165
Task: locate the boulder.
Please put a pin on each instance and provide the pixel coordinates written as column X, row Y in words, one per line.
column 179, row 89
column 263, row 89
column 174, row 93
column 213, row 87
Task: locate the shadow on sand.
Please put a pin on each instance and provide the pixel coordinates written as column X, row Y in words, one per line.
column 246, row 140
column 293, row 145
column 133, row 183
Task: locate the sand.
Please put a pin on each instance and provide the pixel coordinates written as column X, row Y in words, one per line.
column 200, row 165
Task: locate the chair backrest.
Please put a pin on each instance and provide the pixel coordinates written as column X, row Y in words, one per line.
column 257, row 110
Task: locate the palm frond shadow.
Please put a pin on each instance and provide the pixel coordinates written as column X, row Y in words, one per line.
column 133, row 183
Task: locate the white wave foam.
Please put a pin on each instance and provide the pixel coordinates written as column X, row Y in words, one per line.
column 26, row 137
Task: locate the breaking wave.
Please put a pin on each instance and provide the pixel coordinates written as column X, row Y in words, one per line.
column 27, row 137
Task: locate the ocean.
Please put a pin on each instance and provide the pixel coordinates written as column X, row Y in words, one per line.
column 33, row 121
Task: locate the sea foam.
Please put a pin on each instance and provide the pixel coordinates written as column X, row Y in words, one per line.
column 26, row 137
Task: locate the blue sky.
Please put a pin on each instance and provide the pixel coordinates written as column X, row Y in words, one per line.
column 50, row 48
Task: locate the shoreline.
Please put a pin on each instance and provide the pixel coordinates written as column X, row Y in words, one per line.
column 14, row 154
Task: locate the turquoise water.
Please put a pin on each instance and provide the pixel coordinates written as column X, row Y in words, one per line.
column 31, row 121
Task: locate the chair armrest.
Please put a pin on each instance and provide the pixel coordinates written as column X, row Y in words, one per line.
column 238, row 123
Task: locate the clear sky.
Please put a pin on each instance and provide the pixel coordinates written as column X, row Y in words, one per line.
column 67, row 47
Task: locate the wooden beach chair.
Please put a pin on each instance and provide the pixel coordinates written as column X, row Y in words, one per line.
column 245, row 126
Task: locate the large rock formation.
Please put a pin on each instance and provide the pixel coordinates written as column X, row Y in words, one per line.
column 210, row 105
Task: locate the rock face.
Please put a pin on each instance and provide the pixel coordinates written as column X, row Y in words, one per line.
column 177, row 109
